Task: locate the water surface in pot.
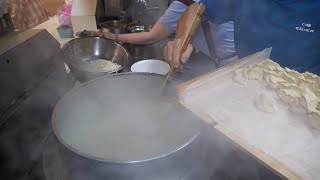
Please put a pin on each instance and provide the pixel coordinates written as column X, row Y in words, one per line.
column 124, row 118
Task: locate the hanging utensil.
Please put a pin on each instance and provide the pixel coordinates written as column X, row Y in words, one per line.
column 209, row 39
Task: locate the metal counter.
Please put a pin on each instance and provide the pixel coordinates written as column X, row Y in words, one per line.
column 30, row 151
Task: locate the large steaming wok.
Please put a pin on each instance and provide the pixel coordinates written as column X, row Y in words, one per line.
column 124, row 121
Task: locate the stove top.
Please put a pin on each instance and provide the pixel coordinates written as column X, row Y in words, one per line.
column 33, row 79
column 30, row 151
column 59, row 163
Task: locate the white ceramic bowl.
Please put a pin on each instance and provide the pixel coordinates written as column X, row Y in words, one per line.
column 151, row 66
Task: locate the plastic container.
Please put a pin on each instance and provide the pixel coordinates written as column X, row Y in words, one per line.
column 65, row 32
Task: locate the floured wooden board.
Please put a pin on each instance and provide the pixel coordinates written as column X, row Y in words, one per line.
column 286, row 142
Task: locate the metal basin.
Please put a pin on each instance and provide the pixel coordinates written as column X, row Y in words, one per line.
column 138, row 28
column 115, row 26
column 79, row 51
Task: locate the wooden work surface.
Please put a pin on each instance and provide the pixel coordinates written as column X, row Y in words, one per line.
column 287, row 143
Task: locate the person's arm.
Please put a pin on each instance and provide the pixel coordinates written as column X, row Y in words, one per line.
column 218, row 11
column 157, row 33
column 164, row 27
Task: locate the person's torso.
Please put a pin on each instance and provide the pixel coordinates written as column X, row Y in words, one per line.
column 290, row 27
column 223, row 39
column 223, row 35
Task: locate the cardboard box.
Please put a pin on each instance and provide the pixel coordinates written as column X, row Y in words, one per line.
column 83, row 15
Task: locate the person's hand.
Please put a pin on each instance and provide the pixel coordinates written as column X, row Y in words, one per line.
column 107, row 35
column 172, row 53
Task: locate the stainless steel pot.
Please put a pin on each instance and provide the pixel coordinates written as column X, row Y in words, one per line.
column 123, row 122
column 115, row 26
column 118, row 26
column 79, row 51
column 137, row 29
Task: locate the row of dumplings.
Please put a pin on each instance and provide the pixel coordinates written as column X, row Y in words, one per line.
column 300, row 90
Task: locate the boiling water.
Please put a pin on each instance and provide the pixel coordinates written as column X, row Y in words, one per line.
column 119, row 120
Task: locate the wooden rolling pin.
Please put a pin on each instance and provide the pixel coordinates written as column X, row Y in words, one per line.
column 187, row 25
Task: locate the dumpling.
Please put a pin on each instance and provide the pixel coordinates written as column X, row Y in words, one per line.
column 271, row 65
column 274, row 82
column 295, row 106
column 255, row 72
column 293, row 73
column 241, row 76
column 266, row 102
column 311, row 100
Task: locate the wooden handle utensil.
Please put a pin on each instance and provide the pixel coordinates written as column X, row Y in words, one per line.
column 187, row 25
